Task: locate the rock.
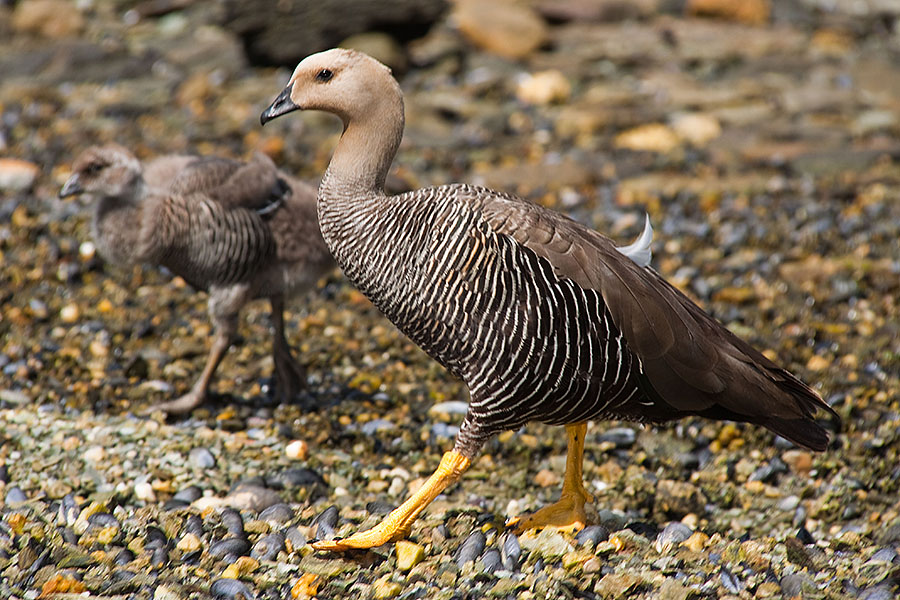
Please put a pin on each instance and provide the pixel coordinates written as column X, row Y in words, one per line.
column 606, row 11
column 380, row 46
column 696, row 542
column 48, row 18
column 546, row 478
column 678, row 498
column 144, row 491
column 252, row 497
column 201, row 458
column 385, row 588
column 17, row 175
column 652, row 137
column 671, row 536
column 298, row 450
column 299, row 27
column 408, row 554
column 619, row 437
column 455, row 407
column 697, row 128
column 544, row 87
column 511, row 30
column 471, row 548
column 799, row 461
column 549, row 543
column 752, row 12
column 189, row 542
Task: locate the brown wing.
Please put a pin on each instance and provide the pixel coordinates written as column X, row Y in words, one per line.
column 692, row 362
column 254, row 185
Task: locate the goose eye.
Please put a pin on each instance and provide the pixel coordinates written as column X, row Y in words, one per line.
column 93, row 168
column 324, row 75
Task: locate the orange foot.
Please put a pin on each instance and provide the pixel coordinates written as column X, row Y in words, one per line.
column 567, row 514
column 397, row 524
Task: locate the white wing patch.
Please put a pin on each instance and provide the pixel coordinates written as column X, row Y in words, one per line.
column 639, row 250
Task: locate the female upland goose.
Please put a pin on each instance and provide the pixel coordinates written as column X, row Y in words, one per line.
column 238, row 230
column 544, row 319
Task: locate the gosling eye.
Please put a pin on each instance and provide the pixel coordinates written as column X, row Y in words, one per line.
column 93, row 168
column 324, row 75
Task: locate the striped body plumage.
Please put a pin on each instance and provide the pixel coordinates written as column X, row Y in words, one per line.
column 529, row 345
column 237, row 230
column 543, row 318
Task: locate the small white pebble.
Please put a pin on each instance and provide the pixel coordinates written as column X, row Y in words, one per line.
column 94, row 454
column 69, row 313
column 340, row 491
column 87, row 250
column 298, row 449
column 144, row 491
column 397, row 487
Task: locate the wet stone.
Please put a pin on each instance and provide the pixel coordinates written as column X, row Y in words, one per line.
column 294, row 538
column 268, row 547
column 277, row 513
column 730, row 581
column 202, row 458
column 297, row 477
column 229, row 547
column 232, row 521
column 672, row 535
column 593, row 534
column 510, row 552
column 230, row 589
column 379, row 508
column 15, row 495
column 620, row 437
column 123, row 557
column 471, row 548
column 325, row 523
column 193, row 524
column 491, row 561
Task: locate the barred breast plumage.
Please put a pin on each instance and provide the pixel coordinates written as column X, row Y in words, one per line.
column 238, row 230
column 543, row 318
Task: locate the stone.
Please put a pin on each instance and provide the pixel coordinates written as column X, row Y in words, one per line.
column 678, row 498
column 385, row 588
column 544, row 87
column 511, row 30
column 297, row 449
column 751, row 12
column 651, row 137
column 48, row 18
column 17, row 175
column 697, row 128
column 799, row 461
column 546, row 478
column 409, row 554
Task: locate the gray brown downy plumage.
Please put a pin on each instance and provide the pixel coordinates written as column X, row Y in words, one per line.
column 544, row 319
column 237, row 230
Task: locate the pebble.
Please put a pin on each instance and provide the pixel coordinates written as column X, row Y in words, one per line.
column 201, row 458
column 491, row 561
column 409, row 554
column 385, row 588
column 294, row 539
column 277, row 513
column 652, row 137
column 543, row 88
column 268, row 547
column 48, row 18
column 546, row 478
column 678, row 498
column 188, row 494
column 15, row 495
column 672, row 535
column 471, row 548
column 454, row 407
column 70, row 313
column 17, row 175
column 253, row 498
column 232, row 546
column 593, row 534
column 144, row 491
column 799, row 461
column 189, row 543
column 620, row 437
column 510, row 551
column 698, row 129
column 230, row 589
column 325, row 523
column 297, row 449
column 502, row 27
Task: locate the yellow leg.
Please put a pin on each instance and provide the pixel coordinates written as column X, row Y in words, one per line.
column 568, row 512
column 396, row 525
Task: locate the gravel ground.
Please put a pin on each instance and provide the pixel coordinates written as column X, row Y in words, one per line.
column 765, row 145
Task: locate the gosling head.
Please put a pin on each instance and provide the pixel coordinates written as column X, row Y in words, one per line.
column 348, row 83
column 110, row 171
